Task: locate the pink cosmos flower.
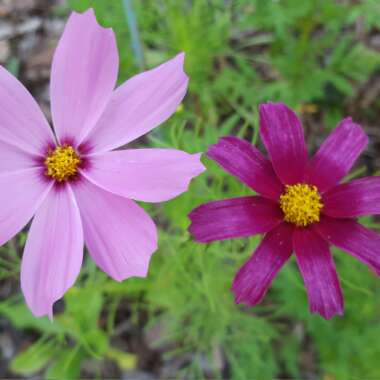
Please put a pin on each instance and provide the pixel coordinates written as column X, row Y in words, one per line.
column 78, row 187
column 301, row 207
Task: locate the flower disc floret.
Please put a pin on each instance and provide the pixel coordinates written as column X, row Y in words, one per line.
column 62, row 163
column 301, row 204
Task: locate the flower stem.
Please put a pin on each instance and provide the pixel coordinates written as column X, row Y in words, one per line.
column 135, row 35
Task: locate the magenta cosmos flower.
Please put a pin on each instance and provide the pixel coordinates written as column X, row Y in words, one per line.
column 301, row 207
column 78, row 188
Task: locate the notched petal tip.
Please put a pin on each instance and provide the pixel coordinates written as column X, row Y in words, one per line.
column 40, row 309
column 87, row 14
column 179, row 60
column 229, row 139
column 241, row 296
column 270, row 106
column 143, row 270
column 136, row 273
column 269, row 110
column 240, row 299
column 353, row 131
column 327, row 315
column 350, row 127
column 347, row 119
column 192, row 230
column 181, row 57
column 200, row 168
column 90, row 16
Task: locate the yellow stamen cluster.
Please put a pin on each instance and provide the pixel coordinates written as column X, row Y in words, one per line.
column 62, row 163
column 301, row 204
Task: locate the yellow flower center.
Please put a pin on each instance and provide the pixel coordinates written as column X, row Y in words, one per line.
column 301, row 204
column 62, row 163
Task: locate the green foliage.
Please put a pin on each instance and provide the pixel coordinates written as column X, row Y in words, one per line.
column 238, row 54
column 67, row 365
column 72, row 337
column 34, row 358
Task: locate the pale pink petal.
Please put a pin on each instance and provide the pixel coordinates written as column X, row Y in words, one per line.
column 120, row 236
column 232, row 218
column 282, row 134
column 13, row 158
column 84, row 74
column 139, row 105
column 22, row 124
column 337, row 155
column 149, row 175
column 21, row 193
column 356, row 198
column 319, row 274
column 256, row 275
column 352, row 237
column 53, row 253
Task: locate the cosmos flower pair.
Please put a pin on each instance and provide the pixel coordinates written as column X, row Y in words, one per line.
column 81, row 190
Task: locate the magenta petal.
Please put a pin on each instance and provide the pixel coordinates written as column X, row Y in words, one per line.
column 149, row 175
column 232, row 218
column 318, row 271
column 256, row 275
column 120, row 236
column 353, row 238
column 21, row 193
column 22, row 124
column 84, row 74
column 337, row 155
column 139, row 105
column 53, row 253
column 282, row 134
column 356, row 198
column 244, row 161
